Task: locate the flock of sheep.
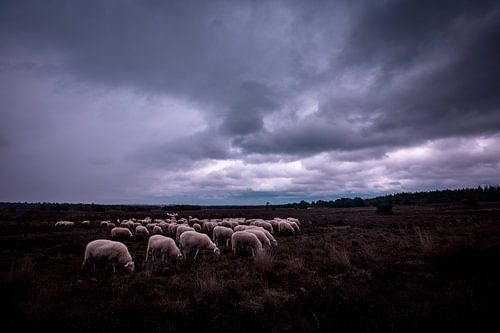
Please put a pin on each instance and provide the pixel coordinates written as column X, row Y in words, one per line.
column 179, row 238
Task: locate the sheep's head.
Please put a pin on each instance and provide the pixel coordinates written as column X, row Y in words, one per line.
column 275, row 243
column 130, row 266
column 217, row 251
column 179, row 255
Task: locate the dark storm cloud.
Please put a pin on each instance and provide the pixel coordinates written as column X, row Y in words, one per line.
column 126, row 90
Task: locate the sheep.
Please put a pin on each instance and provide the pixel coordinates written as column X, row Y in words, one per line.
column 243, row 239
column 108, row 250
column 285, row 227
column 275, row 224
column 64, row 224
column 172, row 228
column 141, row 231
column 197, row 227
column 104, row 224
column 165, row 245
column 150, row 226
column 272, row 240
column 245, row 227
column 266, row 225
column 261, row 236
column 209, row 226
column 222, row 233
column 190, row 240
column 157, row 229
column 180, row 230
column 118, row 232
column 294, row 225
column 292, row 219
column 85, row 224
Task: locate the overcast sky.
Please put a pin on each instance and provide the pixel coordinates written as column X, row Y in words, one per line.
column 231, row 102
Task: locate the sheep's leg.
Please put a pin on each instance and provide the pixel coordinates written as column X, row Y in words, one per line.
column 114, row 270
column 253, row 253
column 197, row 250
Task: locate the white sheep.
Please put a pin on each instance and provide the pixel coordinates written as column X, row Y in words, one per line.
column 222, row 233
column 141, row 231
column 118, row 232
column 180, row 230
column 244, row 240
column 197, row 227
column 285, row 227
column 245, row 227
column 272, row 240
column 294, row 225
column 104, row 224
column 266, row 225
column 157, row 229
column 261, row 236
column 190, row 240
column 165, row 245
column 105, row 249
column 64, row 224
column 86, row 224
column 292, row 219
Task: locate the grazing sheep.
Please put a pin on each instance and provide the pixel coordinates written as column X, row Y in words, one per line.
column 272, row 240
column 209, row 226
column 86, row 224
column 172, row 228
column 181, row 229
column 243, row 240
column 190, row 240
column 294, row 225
column 197, row 227
column 222, row 233
column 266, row 244
column 266, row 225
column 292, row 219
column 141, row 231
column 165, row 245
column 104, row 224
column 157, row 229
column 105, row 249
column 285, row 227
column 119, row 232
column 245, row 227
column 275, row 223
column 65, row 224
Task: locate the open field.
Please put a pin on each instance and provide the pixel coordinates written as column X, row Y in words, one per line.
column 425, row 267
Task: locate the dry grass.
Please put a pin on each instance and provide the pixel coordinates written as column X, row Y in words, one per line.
column 419, row 269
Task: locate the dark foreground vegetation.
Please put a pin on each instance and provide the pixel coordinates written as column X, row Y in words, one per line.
column 431, row 267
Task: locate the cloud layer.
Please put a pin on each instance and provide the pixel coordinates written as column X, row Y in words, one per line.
column 246, row 102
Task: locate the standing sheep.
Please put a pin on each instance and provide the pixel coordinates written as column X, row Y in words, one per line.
column 261, row 236
column 64, row 224
column 181, row 229
column 118, row 232
column 190, row 240
column 285, row 227
column 222, row 233
column 141, row 231
column 105, row 249
column 165, row 245
column 157, row 229
column 243, row 240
